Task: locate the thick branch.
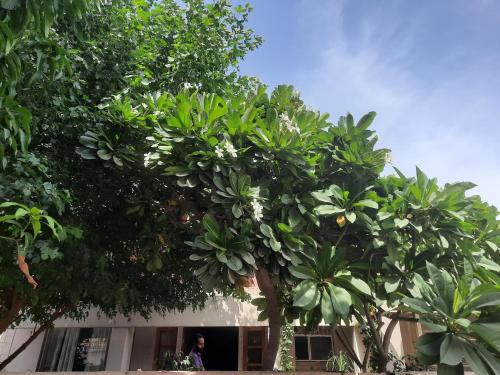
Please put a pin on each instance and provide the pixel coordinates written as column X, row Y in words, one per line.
column 349, row 349
column 388, row 334
column 367, row 356
column 378, row 342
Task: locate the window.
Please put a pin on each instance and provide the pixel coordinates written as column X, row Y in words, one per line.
column 253, row 346
column 313, row 348
column 166, row 341
column 74, row 349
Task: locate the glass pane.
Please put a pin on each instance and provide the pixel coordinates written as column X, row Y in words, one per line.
column 168, row 338
column 255, row 338
column 254, row 355
column 321, row 347
column 301, row 348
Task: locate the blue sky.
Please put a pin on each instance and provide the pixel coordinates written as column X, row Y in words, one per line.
column 430, row 69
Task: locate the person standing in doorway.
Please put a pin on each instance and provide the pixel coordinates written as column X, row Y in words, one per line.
column 195, row 354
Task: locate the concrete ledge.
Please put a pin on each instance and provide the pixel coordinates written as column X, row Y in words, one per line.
column 216, row 373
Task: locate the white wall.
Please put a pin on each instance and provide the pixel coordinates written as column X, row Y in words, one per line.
column 119, row 349
column 218, row 312
column 28, row 359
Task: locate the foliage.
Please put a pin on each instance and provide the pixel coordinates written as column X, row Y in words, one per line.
column 276, row 187
column 339, row 362
column 463, row 317
column 115, row 220
column 176, row 362
column 286, row 342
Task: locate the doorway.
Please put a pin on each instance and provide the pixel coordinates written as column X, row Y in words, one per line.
column 221, row 346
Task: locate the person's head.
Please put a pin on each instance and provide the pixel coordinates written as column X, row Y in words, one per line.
column 199, row 342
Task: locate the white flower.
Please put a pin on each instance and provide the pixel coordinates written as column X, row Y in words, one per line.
column 257, row 210
column 288, row 125
column 230, row 149
column 147, row 158
column 219, row 151
column 388, row 158
column 188, row 86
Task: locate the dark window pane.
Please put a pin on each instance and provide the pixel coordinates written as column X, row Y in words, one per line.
column 254, row 356
column 301, row 349
column 321, row 348
column 255, row 338
column 168, row 338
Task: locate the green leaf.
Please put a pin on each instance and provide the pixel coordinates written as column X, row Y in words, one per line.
column 431, row 326
column 327, row 209
column 451, row 351
column 474, row 360
column 304, row 293
column 416, row 305
column 234, row 263
column 302, row 272
column 391, row 284
column 383, row 215
column 360, row 285
column 322, row 196
column 443, row 283
column 488, row 332
column 247, row 257
column 236, row 210
column 350, row 216
column 211, row 226
column 341, row 300
column 366, row 121
column 104, row 154
column 327, row 310
column 275, row 244
column 401, row 223
column 266, row 230
column 366, row 203
column 430, row 343
column 284, row 228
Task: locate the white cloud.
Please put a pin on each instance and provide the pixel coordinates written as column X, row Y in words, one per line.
column 448, row 127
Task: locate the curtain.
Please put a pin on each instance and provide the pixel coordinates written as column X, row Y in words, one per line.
column 66, row 348
column 97, row 349
column 58, row 350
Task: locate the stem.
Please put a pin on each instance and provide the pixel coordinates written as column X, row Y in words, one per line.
column 367, row 356
column 378, row 342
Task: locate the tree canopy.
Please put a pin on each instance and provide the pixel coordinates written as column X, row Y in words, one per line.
column 133, row 152
column 280, row 192
column 93, row 237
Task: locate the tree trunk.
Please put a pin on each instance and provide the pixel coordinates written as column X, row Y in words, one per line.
column 383, row 357
column 35, row 334
column 14, row 306
column 267, row 288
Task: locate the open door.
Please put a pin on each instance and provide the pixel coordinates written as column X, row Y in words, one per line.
column 254, row 346
column 221, row 346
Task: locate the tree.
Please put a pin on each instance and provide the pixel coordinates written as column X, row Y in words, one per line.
column 280, row 193
column 118, row 255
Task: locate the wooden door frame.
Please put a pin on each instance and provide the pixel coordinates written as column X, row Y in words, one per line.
column 159, row 331
column 264, row 334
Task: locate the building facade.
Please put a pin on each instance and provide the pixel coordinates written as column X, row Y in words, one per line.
column 235, row 340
